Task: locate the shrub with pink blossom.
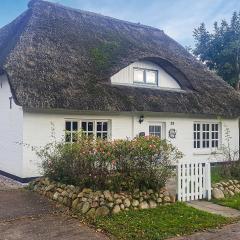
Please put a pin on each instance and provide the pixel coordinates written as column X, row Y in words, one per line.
column 119, row 165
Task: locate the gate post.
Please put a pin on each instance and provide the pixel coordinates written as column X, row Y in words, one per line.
column 208, row 181
column 179, row 187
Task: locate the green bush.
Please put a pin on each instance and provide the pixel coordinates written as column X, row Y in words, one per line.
column 144, row 162
column 231, row 170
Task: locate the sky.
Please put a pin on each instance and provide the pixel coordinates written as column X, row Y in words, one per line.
column 177, row 18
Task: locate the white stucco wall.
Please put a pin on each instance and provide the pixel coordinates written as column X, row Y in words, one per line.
column 11, row 122
column 37, row 132
column 125, row 76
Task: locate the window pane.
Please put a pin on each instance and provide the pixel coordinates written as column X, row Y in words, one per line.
column 90, row 134
column 138, row 75
column 99, row 135
column 90, row 126
column 99, row 126
column 198, row 135
column 84, row 126
column 68, row 126
column 74, row 136
column 155, row 130
column 151, row 77
column 74, row 126
column 105, row 126
column 151, row 128
column 105, row 135
column 68, row 137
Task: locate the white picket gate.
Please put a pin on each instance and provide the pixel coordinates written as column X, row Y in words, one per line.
column 194, row 181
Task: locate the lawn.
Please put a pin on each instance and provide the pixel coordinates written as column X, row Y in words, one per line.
column 232, row 202
column 159, row 223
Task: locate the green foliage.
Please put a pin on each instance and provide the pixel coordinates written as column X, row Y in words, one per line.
column 229, row 162
column 103, row 54
column 232, row 202
column 217, row 174
column 220, row 50
column 159, row 223
column 143, row 162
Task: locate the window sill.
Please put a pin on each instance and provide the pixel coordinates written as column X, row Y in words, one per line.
column 207, row 152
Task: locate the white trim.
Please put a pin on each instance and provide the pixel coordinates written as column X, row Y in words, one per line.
column 210, row 149
column 158, row 123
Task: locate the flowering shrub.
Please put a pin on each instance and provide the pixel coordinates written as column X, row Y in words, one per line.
column 144, row 162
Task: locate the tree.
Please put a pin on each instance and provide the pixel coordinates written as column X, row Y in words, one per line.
column 220, row 50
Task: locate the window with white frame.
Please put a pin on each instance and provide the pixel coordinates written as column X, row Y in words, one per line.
column 88, row 127
column 145, row 76
column 71, row 128
column 206, row 135
column 215, row 136
column 95, row 128
column 155, row 130
column 102, row 130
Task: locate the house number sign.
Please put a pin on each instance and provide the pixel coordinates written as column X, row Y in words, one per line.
column 172, row 133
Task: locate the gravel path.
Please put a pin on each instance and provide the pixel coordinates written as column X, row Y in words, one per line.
column 9, row 184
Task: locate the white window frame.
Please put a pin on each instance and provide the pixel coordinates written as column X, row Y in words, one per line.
column 156, row 123
column 145, row 70
column 154, row 132
column 71, row 132
column 79, row 121
column 206, row 143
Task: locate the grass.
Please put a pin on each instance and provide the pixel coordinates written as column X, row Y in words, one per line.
column 232, row 202
column 159, row 223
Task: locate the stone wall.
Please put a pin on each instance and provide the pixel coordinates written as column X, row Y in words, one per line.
column 225, row 189
column 100, row 203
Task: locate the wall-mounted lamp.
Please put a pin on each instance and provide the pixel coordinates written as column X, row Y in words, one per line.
column 141, row 119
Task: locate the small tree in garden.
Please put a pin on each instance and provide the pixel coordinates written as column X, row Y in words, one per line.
column 230, row 166
column 144, row 162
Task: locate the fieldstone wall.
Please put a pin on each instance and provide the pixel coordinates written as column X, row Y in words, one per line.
column 100, row 203
column 225, row 189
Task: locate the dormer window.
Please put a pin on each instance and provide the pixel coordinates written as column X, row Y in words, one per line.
column 145, row 76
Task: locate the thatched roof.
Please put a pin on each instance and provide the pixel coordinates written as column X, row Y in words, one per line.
column 60, row 58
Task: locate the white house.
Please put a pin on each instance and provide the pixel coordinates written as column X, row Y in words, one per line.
column 69, row 70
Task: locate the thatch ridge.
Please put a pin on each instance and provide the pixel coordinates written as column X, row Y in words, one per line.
column 64, row 58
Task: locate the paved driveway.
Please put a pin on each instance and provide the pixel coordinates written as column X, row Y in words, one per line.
column 25, row 215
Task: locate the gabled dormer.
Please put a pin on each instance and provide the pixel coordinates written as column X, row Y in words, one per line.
column 145, row 74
